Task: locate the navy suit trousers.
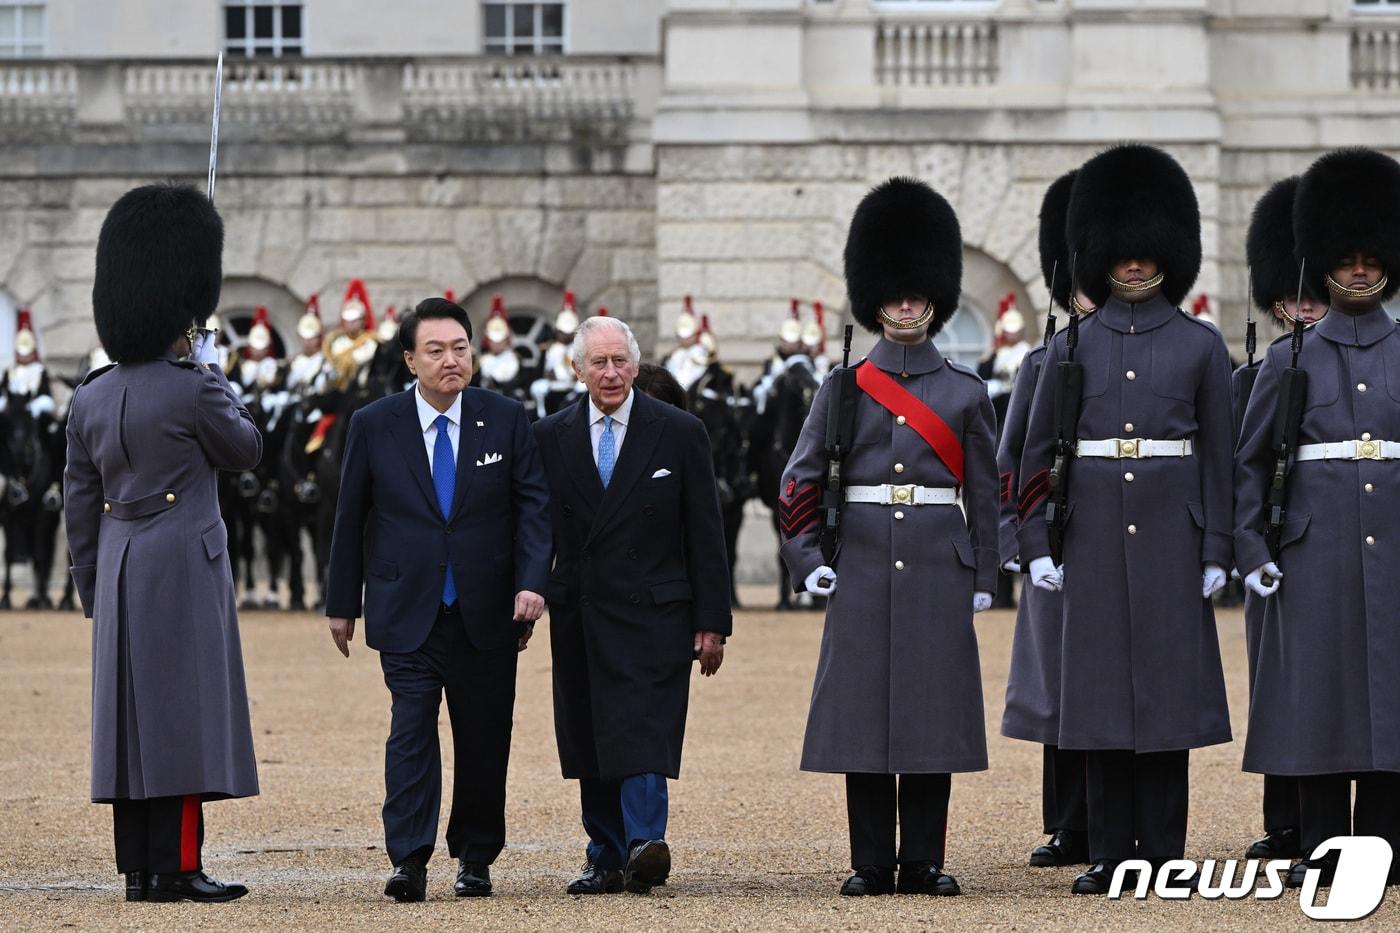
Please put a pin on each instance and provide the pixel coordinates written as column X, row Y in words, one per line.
column 620, row 814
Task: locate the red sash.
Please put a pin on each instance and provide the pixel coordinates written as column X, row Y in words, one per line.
column 892, row 396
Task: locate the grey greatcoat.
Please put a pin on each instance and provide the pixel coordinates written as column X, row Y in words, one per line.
column 1253, row 603
column 1326, row 696
column 1140, row 662
column 150, row 564
column 898, row 687
column 1033, row 684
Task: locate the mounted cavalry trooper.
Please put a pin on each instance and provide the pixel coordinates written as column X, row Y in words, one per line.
column 1141, row 489
column 1326, row 699
column 1033, row 685
column 1273, row 280
column 304, row 368
column 898, row 689
column 146, row 439
column 684, row 362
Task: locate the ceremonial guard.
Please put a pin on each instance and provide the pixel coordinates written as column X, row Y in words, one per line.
column 350, row 349
column 388, row 371
column 999, row 369
column 558, row 385
column 898, row 689
column 1125, row 486
column 26, row 383
column 1274, row 282
column 814, row 340
column 1324, row 552
column 146, row 438
column 1032, row 710
column 788, row 349
column 259, row 372
column 502, row 366
column 305, row 367
column 682, row 362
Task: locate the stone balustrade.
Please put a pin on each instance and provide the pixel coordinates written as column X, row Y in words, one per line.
column 935, row 54
column 1375, row 56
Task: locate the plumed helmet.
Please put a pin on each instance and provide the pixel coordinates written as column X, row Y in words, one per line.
column 904, row 240
column 1348, row 202
column 566, row 321
column 310, row 327
column 1134, row 202
column 26, row 343
column 260, row 334
column 1269, row 246
column 686, row 325
column 159, row 269
column 356, row 305
column 790, row 331
column 1054, row 247
column 497, row 323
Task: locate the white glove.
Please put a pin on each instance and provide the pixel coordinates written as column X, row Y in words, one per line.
column 815, row 584
column 1255, row 580
column 1012, row 566
column 40, row 405
column 206, row 348
column 1212, row 580
column 1234, row 573
column 1046, row 576
column 981, row 602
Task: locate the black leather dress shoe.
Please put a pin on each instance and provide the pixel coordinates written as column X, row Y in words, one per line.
column 647, row 866
column 926, row 878
column 1286, row 843
column 596, row 880
column 868, row 881
column 1098, row 879
column 192, row 886
column 409, row 882
column 136, row 885
column 1327, row 865
column 473, row 879
column 1065, row 847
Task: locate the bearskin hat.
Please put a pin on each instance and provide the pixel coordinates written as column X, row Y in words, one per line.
column 1348, row 202
column 1269, row 246
column 159, row 269
column 904, row 240
column 1134, row 202
column 1053, row 246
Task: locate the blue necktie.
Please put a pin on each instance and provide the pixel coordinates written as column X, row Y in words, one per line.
column 607, row 452
column 444, row 482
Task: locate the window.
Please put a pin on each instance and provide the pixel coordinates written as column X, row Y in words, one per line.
column 1377, row 6
column 270, row 29
column 966, row 338
column 21, row 30
column 511, row 28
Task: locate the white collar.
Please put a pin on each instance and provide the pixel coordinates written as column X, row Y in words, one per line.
column 427, row 414
column 621, row 416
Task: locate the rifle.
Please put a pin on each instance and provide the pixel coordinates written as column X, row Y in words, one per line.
column 1050, row 309
column 1288, row 419
column 840, row 426
column 1069, row 396
column 1250, row 372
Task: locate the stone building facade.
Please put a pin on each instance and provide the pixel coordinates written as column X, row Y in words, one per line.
column 706, row 147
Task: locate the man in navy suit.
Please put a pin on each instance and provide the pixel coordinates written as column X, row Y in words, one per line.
column 638, row 591
column 443, row 523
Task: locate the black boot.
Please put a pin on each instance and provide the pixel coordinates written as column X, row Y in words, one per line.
column 1098, row 879
column 192, row 886
column 926, row 878
column 1065, row 847
column 1285, row 843
column 1327, row 865
column 136, row 885
column 869, row 880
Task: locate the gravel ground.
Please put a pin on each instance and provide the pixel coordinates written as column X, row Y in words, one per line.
column 756, row 842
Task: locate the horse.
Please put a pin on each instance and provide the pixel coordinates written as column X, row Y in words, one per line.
column 32, row 507
column 773, row 439
column 725, row 409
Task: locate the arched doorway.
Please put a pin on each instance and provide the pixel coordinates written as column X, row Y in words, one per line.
column 239, row 300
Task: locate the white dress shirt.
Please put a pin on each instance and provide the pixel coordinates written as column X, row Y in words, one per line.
column 427, row 418
column 619, row 427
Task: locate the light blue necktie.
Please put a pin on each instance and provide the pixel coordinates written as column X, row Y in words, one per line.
column 607, row 452
column 444, row 482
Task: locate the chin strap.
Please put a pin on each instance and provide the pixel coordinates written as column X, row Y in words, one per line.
column 1337, row 288
column 917, row 322
column 1125, row 288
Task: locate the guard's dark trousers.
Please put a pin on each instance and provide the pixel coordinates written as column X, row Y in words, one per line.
column 921, row 803
column 159, row 835
column 480, row 688
column 1327, row 810
column 1137, row 804
column 1062, row 794
column 1280, row 803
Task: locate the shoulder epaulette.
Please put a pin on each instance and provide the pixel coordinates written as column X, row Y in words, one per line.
column 965, row 370
column 93, row 374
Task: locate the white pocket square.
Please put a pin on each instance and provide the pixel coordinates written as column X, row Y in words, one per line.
column 660, row 473
column 489, row 459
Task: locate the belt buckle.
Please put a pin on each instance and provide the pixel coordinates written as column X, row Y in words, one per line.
column 1128, row 448
column 1367, row 450
column 902, row 495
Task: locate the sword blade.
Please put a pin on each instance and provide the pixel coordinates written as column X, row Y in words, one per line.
column 214, row 128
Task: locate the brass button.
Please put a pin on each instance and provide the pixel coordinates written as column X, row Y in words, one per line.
column 1132, row 529
column 900, row 420
column 170, row 497
column 899, row 565
column 899, row 468
column 898, row 515
column 1128, row 426
column 904, row 375
column 1361, row 387
column 1366, row 436
column 1370, row 488
column 1128, row 477
column 106, row 506
column 1370, row 540
column 1131, row 375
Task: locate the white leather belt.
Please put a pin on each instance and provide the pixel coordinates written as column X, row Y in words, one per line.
column 1133, row 448
column 1350, row 450
column 889, row 494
